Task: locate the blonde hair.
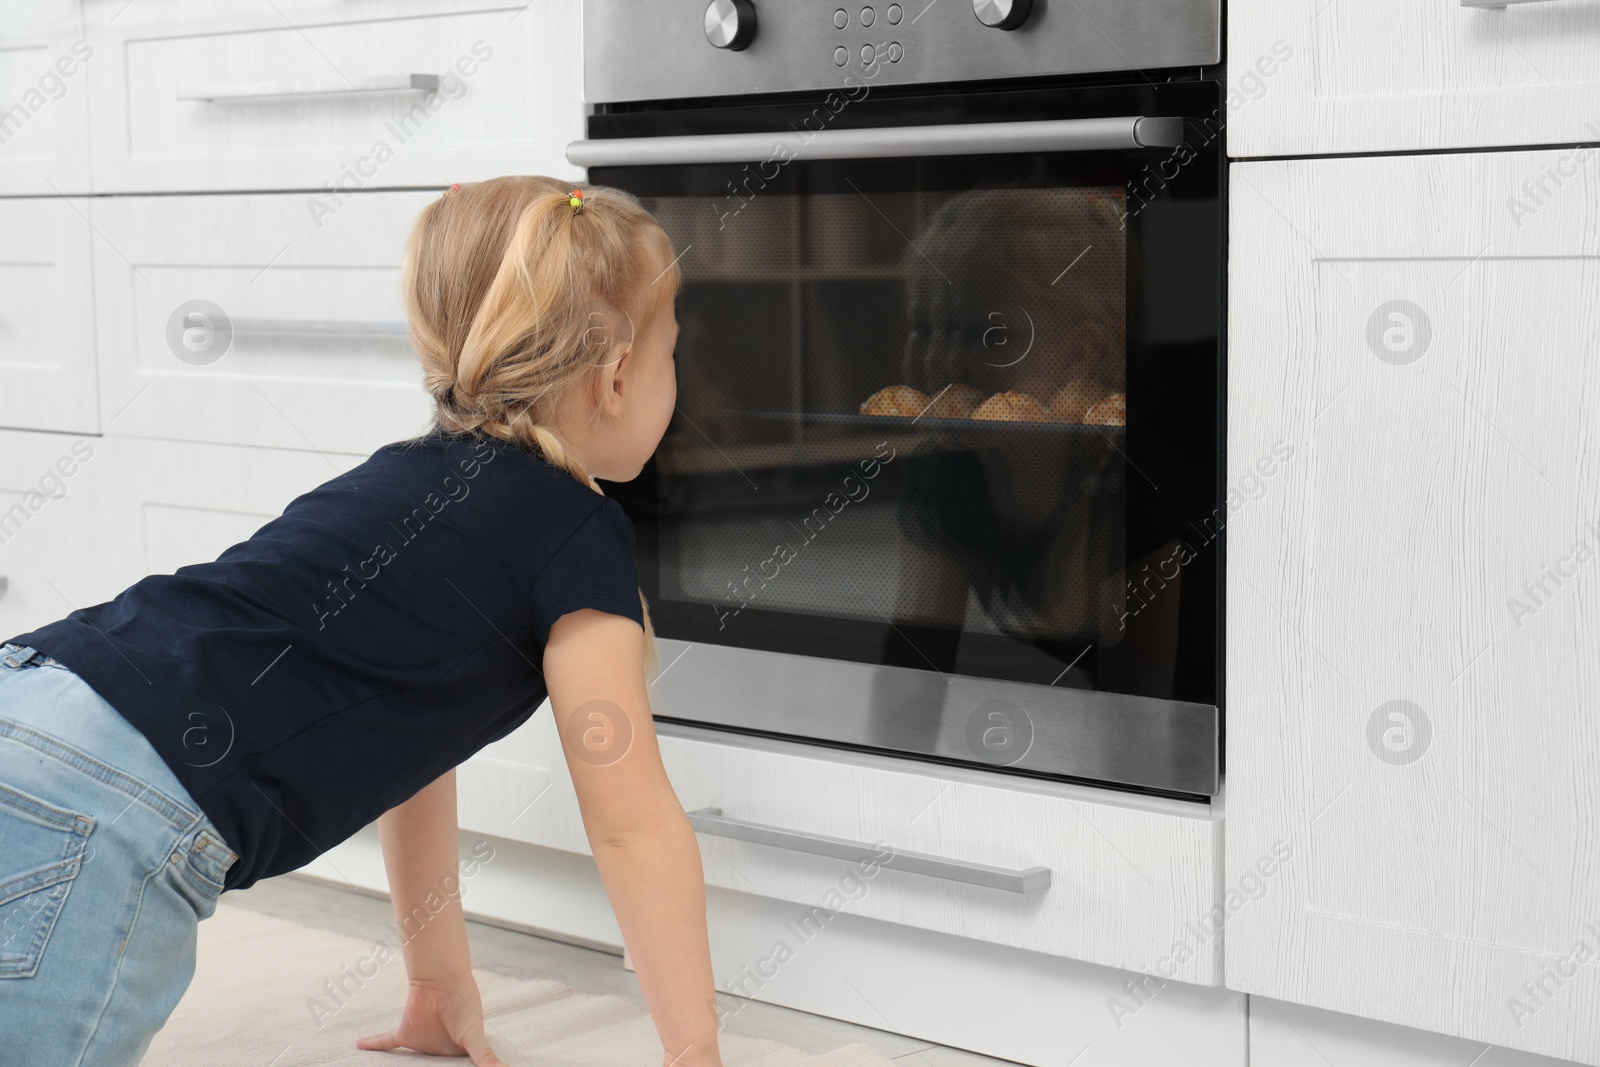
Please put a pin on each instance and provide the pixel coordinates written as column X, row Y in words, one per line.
column 515, row 298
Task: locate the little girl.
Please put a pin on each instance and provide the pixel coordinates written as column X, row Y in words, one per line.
column 233, row 721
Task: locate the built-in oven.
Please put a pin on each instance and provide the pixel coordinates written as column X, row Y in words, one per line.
column 944, row 477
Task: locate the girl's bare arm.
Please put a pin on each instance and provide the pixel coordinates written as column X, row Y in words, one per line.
column 443, row 1014
column 420, row 853
column 643, row 845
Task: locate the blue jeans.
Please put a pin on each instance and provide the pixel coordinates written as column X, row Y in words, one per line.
column 107, row 865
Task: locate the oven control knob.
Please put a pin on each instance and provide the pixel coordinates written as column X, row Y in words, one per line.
column 730, row 24
column 996, row 14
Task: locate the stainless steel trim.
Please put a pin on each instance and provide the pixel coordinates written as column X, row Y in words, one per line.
column 1029, row 880
column 1498, row 4
column 317, row 326
column 1144, row 742
column 634, row 51
column 978, row 138
column 254, row 90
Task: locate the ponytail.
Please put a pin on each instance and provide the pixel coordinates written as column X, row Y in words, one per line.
column 506, row 289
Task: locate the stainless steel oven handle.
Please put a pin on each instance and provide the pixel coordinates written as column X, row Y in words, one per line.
column 959, row 139
column 1030, row 880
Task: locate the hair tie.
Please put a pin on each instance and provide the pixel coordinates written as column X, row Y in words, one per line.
column 454, row 188
column 575, row 198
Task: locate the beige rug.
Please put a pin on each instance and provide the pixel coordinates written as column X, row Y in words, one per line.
column 267, row 992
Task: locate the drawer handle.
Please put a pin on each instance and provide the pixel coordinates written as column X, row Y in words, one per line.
column 317, row 326
column 1499, row 5
column 5, row 583
column 1032, row 880
column 254, row 90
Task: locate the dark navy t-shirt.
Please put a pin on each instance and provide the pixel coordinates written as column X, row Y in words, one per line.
column 387, row 626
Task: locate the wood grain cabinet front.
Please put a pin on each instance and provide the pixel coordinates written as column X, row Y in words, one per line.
column 1413, row 614
column 47, row 342
column 57, row 501
column 45, row 56
column 1322, row 77
column 1130, row 882
column 331, row 96
column 238, row 319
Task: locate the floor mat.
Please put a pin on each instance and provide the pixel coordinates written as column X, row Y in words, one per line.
column 271, row 992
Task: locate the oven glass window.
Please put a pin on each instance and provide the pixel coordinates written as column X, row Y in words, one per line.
column 902, row 407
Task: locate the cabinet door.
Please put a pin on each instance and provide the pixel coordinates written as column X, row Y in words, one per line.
column 178, row 503
column 240, row 320
column 57, row 552
column 1413, row 640
column 1336, row 76
column 47, row 360
column 331, row 95
column 44, row 99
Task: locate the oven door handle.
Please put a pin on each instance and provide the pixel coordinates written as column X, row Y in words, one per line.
column 1031, row 880
column 959, row 139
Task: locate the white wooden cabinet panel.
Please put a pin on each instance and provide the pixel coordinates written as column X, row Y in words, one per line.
column 318, row 359
column 179, row 503
column 57, row 550
column 1026, row 1007
column 47, row 342
column 1339, row 76
column 196, row 96
column 1423, row 363
column 1133, row 882
column 1293, row 1035
column 44, row 98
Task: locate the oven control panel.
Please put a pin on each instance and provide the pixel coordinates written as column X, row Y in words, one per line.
column 677, row 49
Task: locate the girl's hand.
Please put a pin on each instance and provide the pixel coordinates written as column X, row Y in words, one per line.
column 443, row 1017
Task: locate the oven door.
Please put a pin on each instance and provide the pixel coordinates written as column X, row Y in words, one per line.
column 943, row 476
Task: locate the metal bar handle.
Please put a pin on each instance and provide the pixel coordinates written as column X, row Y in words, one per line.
column 317, row 326
column 958, row 139
column 1498, row 4
column 252, row 90
column 1031, row 880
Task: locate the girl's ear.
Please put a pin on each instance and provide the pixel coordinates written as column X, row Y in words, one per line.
column 616, row 378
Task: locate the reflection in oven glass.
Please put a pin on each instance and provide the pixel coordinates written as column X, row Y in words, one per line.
column 904, row 407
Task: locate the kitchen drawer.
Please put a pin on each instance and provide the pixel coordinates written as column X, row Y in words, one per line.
column 57, row 550
column 44, row 99
column 83, row 518
column 320, row 95
column 47, row 343
column 318, row 359
column 178, row 503
column 1344, row 76
column 1132, row 881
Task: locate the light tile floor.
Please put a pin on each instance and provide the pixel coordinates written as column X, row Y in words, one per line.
column 322, row 906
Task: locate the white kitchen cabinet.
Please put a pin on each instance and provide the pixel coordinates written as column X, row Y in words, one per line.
column 1342, row 76
column 56, row 554
column 1026, row 1007
column 83, row 518
column 47, row 361
column 179, row 503
column 44, row 97
column 309, row 351
column 331, row 96
column 1293, row 1035
column 1131, row 879
column 1408, row 712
